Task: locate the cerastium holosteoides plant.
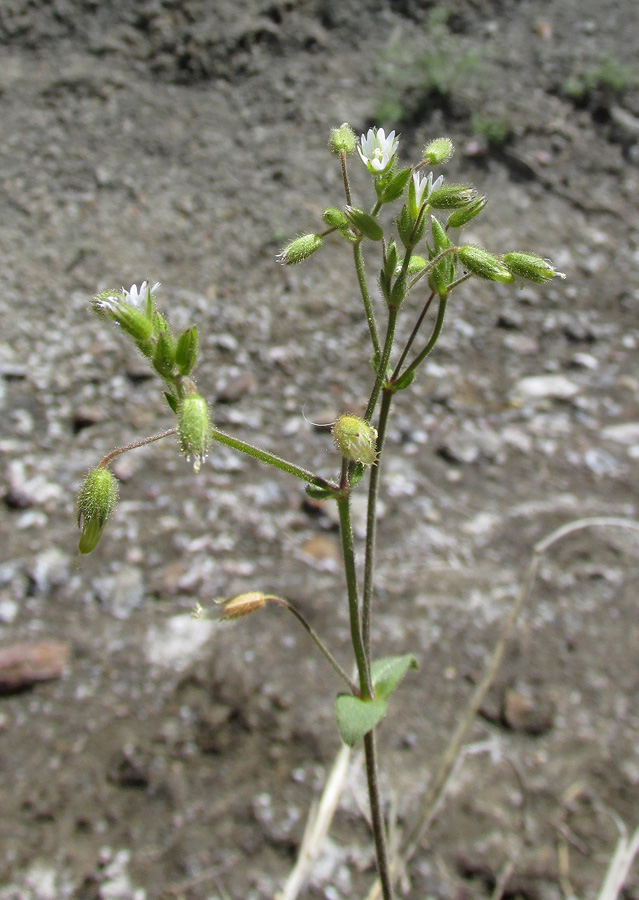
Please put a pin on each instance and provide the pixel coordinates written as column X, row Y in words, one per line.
column 420, row 265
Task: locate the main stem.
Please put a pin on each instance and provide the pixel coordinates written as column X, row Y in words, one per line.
column 371, row 522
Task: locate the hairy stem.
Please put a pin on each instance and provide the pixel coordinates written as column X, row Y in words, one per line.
column 366, row 297
column 439, row 324
column 271, row 459
column 344, row 507
column 383, row 362
column 371, row 523
column 133, row 446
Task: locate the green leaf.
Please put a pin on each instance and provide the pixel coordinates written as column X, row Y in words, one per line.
column 356, row 717
column 320, row 493
column 388, row 672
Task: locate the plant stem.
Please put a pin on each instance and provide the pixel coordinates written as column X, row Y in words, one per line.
column 441, row 312
column 133, row 446
column 413, row 335
column 271, row 459
column 321, row 646
column 371, row 524
column 347, row 187
column 377, row 819
column 366, row 298
column 383, row 362
column 344, row 507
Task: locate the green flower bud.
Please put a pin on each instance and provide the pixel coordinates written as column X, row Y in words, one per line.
column 95, row 502
column 390, row 265
column 187, row 350
column 355, row 439
column 398, row 292
column 364, row 223
column 441, row 241
column 485, row 265
column 463, row 216
column 342, row 139
column 531, row 267
column 335, row 218
column 164, row 355
column 452, row 196
column 405, row 226
column 300, row 249
column 194, row 429
column 439, row 152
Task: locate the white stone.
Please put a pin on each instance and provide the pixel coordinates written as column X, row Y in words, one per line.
column 624, row 433
column 178, row 641
column 554, row 387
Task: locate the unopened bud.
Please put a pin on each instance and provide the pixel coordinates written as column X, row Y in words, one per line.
column 164, row 354
column 416, row 264
column 441, row 241
column 483, row 264
column 300, row 249
column 342, row 139
column 531, row 267
column 356, row 439
column 95, row 502
column 452, row 196
column 335, row 218
column 243, row 605
column 194, row 428
column 365, row 223
column 439, row 151
column 463, row 216
column 186, row 350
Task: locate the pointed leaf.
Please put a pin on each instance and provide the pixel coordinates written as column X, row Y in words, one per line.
column 388, row 672
column 395, row 188
column 356, row 717
column 369, row 227
column 171, row 400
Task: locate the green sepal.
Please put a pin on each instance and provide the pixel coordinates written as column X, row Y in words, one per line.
column 441, row 241
column 320, row 493
column 164, row 356
column 398, row 292
column 356, row 717
column 415, row 266
column 172, row 401
column 387, row 673
column 186, row 350
column 484, row 264
column 405, row 226
column 390, row 264
column 146, row 348
column 393, row 189
column 365, row 223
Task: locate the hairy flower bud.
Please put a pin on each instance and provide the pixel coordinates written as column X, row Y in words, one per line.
column 243, row 605
column 355, row 439
column 483, row 264
column 530, row 266
column 452, row 196
column 194, row 428
column 438, row 152
column 463, row 216
column 335, row 218
column 95, row 502
column 113, row 305
column 342, row 139
column 364, row 223
column 300, row 249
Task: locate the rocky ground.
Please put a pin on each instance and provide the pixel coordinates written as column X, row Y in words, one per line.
column 184, row 142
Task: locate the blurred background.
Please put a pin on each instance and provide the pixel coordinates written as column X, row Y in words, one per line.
column 145, row 754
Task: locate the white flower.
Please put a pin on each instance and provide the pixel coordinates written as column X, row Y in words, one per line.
column 377, row 151
column 425, row 186
column 139, row 298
